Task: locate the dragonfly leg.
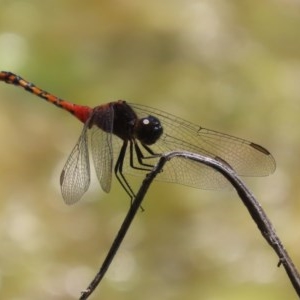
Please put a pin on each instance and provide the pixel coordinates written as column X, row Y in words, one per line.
column 119, row 171
column 136, row 150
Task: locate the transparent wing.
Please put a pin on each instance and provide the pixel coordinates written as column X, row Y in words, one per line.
column 246, row 158
column 102, row 151
column 75, row 176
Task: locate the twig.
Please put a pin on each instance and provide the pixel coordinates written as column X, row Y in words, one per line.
column 253, row 206
column 136, row 204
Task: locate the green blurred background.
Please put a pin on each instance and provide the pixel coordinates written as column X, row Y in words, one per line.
column 232, row 66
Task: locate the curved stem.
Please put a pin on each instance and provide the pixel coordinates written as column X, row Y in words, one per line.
column 257, row 213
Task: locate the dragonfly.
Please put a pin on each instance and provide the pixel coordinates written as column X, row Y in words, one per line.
column 126, row 138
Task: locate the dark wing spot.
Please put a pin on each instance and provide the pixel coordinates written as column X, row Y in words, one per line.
column 260, row 148
column 62, row 177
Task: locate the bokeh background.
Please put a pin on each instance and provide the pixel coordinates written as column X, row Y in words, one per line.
column 232, row 66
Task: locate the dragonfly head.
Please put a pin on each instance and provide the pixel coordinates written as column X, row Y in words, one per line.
column 148, row 130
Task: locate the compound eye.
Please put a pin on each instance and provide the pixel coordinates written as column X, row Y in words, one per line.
column 148, row 130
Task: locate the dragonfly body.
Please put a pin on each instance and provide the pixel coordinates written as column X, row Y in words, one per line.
column 129, row 138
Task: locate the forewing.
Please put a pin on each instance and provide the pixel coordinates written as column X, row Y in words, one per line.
column 75, row 176
column 102, row 151
column 246, row 158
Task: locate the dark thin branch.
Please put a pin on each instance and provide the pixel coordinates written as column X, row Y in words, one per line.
column 136, row 204
column 253, row 206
